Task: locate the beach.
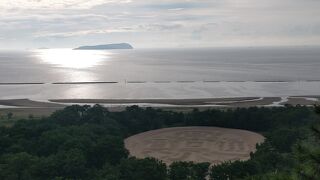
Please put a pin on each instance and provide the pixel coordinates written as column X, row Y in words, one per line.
column 26, row 107
column 204, row 102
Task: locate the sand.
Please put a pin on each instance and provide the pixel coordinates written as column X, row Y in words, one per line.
column 250, row 103
column 185, row 103
column 29, row 103
column 303, row 101
column 26, row 106
column 197, row 144
column 182, row 102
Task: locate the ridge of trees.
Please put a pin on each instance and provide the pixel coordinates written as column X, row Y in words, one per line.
column 83, row 142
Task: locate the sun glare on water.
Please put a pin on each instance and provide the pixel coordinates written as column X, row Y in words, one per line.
column 69, row 58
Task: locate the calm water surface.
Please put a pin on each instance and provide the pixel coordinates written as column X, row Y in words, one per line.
column 183, row 73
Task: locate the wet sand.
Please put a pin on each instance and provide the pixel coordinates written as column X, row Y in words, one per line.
column 209, row 102
column 182, row 102
column 25, row 107
column 29, row 103
column 304, row 101
column 250, row 103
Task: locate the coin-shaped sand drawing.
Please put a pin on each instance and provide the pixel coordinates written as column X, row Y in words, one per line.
column 197, row 144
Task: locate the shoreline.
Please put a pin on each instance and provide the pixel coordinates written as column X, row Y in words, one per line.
column 201, row 102
column 156, row 82
column 177, row 102
column 23, row 108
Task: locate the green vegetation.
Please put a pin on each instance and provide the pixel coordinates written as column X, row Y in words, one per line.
column 83, row 142
column 17, row 114
column 188, row 170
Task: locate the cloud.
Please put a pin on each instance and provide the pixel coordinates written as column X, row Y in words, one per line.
column 81, row 33
column 176, row 5
column 154, row 23
column 160, row 27
column 55, row 4
column 176, row 9
column 136, row 28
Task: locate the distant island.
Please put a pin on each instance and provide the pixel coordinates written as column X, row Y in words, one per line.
column 106, row 47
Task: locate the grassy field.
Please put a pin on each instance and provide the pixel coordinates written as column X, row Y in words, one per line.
column 10, row 115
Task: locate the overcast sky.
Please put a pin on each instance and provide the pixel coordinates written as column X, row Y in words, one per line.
column 155, row 23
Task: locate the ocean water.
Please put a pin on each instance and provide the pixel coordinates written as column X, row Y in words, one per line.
column 160, row 73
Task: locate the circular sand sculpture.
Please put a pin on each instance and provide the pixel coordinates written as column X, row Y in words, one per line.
column 197, row 144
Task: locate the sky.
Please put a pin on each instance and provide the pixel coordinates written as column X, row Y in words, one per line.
column 158, row 24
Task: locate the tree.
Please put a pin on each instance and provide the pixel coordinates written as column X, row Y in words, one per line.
column 83, row 142
column 108, row 172
column 20, row 166
column 146, row 169
column 233, row 170
column 65, row 164
column 9, row 115
column 308, row 155
column 284, row 138
column 188, row 171
column 108, row 149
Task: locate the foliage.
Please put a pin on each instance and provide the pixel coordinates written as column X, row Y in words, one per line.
column 148, row 169
column 83, row 142
column 188, row 171
column 308, row 154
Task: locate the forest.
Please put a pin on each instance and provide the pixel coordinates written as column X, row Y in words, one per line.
column 87, row 143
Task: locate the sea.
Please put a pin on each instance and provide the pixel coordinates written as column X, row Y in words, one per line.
column 44, row 74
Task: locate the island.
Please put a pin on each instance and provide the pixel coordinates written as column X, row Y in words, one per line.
column 106, row 47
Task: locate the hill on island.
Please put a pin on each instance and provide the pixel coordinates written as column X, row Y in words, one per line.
column 106, row 47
